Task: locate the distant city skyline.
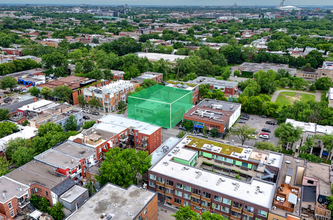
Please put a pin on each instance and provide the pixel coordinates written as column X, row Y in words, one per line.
column 175, row 2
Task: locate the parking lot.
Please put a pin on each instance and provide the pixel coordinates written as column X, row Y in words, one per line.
column 257, row 123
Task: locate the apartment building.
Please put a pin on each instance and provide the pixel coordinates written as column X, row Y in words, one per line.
column 118, row 75
column 309, row 131
column 212, row 113
column 289, row 193
column 229, row 88
column 41, row 178
column 329, row 95
column 141, row 135
column 317, row 184
column 14, row 197
column 236, row 182
column 255, row 67
column 158, row 77
column 24, row 132
column 186, row 86
column 127, row 204
column 69, row 159
column 109, row 95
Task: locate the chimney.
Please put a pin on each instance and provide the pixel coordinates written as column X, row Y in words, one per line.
column 72, row 161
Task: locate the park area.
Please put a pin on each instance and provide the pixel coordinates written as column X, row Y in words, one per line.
column 288, row 98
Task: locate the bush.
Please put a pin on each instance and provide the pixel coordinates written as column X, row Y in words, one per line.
column 88, row 124
column 237, row 73
column 181, row 134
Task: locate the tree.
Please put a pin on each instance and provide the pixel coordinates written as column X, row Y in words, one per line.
column 8, row 82
column 188, row 125
column 88, row 65
column 71, row 124
column 243, row 132
column 59, row 71
column 148, row 83
column 327, row 141
column 185, row 213
column 267, row 146
column 49, row 128
column 4, row 166
column 287, row 133
column 44, row 204
column 7, row 128
column 131, row 72
column 94, row 102
column 214, row 133
column 81, row 100
column 45, row 92
column 122, row 105
column 88, row 124
column 78, row 67
column 34, row 91
column 323, row 83
column 4, row 114
column 121, row 167
column 56, row 211
column 91, row 187
column 63, row 92
column 55, row 59
column 181, row 134
column 23, row 155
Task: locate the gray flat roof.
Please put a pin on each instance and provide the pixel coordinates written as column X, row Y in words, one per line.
column 226, row 106
column 320, row 172
column 73, row 193
column 214, row 82
column 63, row 187
column 10, row 188
column 36, row 172
column 57, row 159
column 75, row 149
column 309, row 194
column 113, row 200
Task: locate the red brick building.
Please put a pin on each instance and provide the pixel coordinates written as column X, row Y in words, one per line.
column 158, row 77
column 12, row 51
column 14, row 197
column 40, row 178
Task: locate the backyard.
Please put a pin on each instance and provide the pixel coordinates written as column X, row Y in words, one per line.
column 288, row 98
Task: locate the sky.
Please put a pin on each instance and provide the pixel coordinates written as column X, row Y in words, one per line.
column 173, row 2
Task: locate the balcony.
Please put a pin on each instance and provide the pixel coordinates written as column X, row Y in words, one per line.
column 123, row 138
column 195, row 195
column 248, row 213
column 159, row 191
column 75, row 174
column 236, row 208
column 159, row 183
column 195, row 203
column 206, row 199
column 141, row 147
column 168, row 194
column 169, row 187
column 22, row 202
column 234, row 217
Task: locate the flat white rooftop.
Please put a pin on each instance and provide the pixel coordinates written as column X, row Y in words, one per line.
column 158, row 56
column 73, row 193
column 36, row 105
column 311, row 127
column 123, row 122
column 246, row 191
column 162, row 150
column 114, row 201
column 25, row 132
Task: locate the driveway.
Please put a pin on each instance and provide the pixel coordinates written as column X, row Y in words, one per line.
column 317, row 94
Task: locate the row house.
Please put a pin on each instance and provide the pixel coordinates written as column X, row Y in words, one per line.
column 12, row 51
column 183, row 177
column 141, row 135
column 13, row 199
column 158, row 77
column 41, row 179
column 110, row 95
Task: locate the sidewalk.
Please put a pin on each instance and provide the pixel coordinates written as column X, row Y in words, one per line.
column 165, row 212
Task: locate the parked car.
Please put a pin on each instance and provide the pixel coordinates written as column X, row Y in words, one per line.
column 24, row 90
column 95, row 113
column 263, row 116
column 253, row 136
column 266, row 130
column 270, row 122
column 6, row 92
column 240, row 121
column 245, row 115
column 244, row 118
column 27, row 86
column 264, row 135
column 86, row 117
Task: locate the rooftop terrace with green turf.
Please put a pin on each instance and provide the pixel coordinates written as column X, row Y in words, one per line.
column 226, row 149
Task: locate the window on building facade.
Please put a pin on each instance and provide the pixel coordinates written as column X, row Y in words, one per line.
column 196, row 191
column 152, row 177
column 170, row 191
column 160, row 188
column 12, row 213
column 196, row 208
column 226, row 201
column 224, row 209
column 187, row 196
column 262, row 213
column 145, row 212
column 245, row 217
column 178, row 201
column 248, row 209
column 169, row 182
column 205, row 203
column 178, row 193
column 237, row 205
column 160, row 179
column 187, row 188
column 10, row 205
column 179, row 186
column 216, row 206
column 185, row 203
column 236, row 214
column 47, row 194
column 36, row 190
column 217, row 198
column 206, row 195
column 193, row 199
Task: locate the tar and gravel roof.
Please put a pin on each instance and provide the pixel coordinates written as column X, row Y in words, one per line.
column 113, row 200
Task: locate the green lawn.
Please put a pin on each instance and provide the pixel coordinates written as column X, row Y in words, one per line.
column 293, row 89
column 287, row 98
